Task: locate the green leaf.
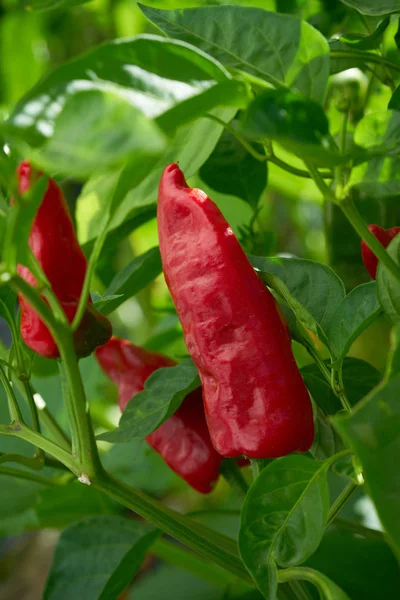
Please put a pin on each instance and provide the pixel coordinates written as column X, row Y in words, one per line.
column 359, row 379
column 365, row 568
column 152, row 73
column 374, row 7
column 297, row 123
column 232, row 170
column 96, row 558
column 393, row 361
column 373, row 433
column 387, row 284
column 191, row 147
column 17, row 505
column 315, row 286
column 57, row 507
column 131, row 279
column 109, row 131
column 379, row 133
column 352, row 316
column 256, row 47
column 367, row 42
column 327, row 441
column 283, row 518
column 163, row 393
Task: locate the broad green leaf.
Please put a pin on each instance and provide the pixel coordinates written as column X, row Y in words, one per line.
column 257, row 46
column 374, row 7
column 163, row 393
column 387, row 284
column 57, row 507
column 232, row 170
column 96, row 558
column 134, row 277
column 191, row 147
column 328, row 590
column 359, row 378
column 327, row 441
column 296, row 122
column 109, row 131
column 315, row 286
column 153, row 73
column 283, row 518
column 379, row 133
column 352, row 316
column 373, row 433
column 367, row 42
column 364, row 568
column 17, row 505
column 393, row 361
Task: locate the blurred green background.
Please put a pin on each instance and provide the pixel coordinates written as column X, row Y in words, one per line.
column 36, row 36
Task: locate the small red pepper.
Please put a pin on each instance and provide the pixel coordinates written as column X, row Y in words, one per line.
column 183, row 440
column 255, row 400
column 384, row 236
column 54, row 243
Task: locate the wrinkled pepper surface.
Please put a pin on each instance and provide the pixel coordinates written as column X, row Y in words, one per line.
column 54, row 243
column 183, row 440
column 255, row 400
column 384, row 236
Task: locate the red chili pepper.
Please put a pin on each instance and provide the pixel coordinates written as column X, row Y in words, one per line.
column 183, row 440
column 54, row 243
column 255, row 400
column 384, row 236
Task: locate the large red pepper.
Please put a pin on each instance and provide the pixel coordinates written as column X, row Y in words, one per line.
column 384, row 236
column 255, row 399
column 183, row 440
column 54, row 243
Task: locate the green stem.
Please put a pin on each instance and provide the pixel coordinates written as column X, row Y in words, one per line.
column 29, row 476
column 299, row 591
column 359, row 529
column 27, row 461
column 305, row 573
column 231, row 472
column 83, row 441
column 324, row 189
column 270, row 157
column 258, row 81
column 339, row 389
column 220, row 550
column 50, row 423
column 340, row 501
column 22, row 431
column 366, row 56
column 182, row 558
column 15, row 411
column 94, row 257
column 355, row 219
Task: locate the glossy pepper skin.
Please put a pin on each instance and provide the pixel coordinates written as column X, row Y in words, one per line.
column 54, row 243
column 183, row 441
column 384, row 236
column 255, row 400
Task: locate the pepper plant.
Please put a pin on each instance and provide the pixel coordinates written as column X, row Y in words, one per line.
column 266, row 106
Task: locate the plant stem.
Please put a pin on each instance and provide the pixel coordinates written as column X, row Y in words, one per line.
column 22, row 431
column 83, row 441
column 15, row 411
column 220, row 550
column 231, row 472
column 94, row 257
column 339, row 389
column 27, row 461
column 367, row 57
column 182, row 558
column 270, row 157
column 340, row 501
column 29, row 476
column 359, row 529
column 324, row 189
column 355, row 219
column 299, row 590
column 50, row 423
